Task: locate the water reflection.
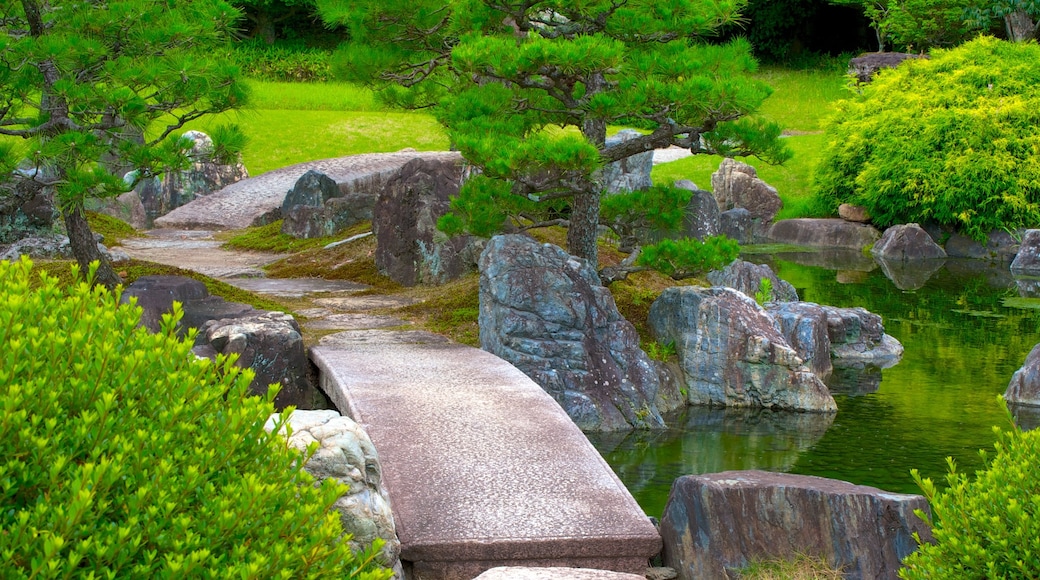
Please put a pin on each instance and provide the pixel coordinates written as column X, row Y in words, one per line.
column 910, row 275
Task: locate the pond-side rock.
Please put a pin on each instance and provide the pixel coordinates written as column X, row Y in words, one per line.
column 736, row 184
column 737, row 224
column 1024, row 388
column 345, row 454
column 409, row 248
column 865, row 66
column 804, row 325
column 1027, row 261
column 631, row 173
column 823, row 233
column 701, row 218
column 717, row 523
column 854, row 213
column 546, row 312
column 906, row 242
column 747, row 278
column 316, row 207
column 999, row 245
column 732, row 354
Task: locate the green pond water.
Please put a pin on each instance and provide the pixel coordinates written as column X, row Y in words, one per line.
column 965, row 329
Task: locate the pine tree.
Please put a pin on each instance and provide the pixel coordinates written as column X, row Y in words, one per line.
column 527, row 89
column 86, row 86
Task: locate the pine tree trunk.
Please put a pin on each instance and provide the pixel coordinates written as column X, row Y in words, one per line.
column 85, row 249
column 1020, row 27
column 584, row 228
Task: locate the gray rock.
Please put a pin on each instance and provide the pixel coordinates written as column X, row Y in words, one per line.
column 732, row 354
column 714, row 524
column 554, row 573
column 346, row 454
column 1024, row 388
column 853, row 213
column 26, row 209
column 823, row 233
column 127, row 207
column 747, row 278
column 1027, row 261
column 546, row 312
column 737, row 224
column 631, row 173
column 865, row 66
column 736, row 184
column 316, row 207
column 155, row 296
column 804, row 325
column 701, row 218
column 409, row 248
column 50, row 246
column 907, row 242
column 999, row 245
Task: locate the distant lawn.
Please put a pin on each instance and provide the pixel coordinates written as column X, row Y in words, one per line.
column 801, row 99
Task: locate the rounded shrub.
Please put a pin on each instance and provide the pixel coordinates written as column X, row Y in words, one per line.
column 989, row 526
column 954, row 139
column 122, row 456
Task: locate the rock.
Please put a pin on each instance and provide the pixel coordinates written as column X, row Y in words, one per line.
column 823, row 233
column 409, row 248
column 714, row 524
column 999, row 245
column 316, row 207
column 747, row 278
column 155, row 296
column 631, row 173
column 738, row 225
column 701, row 218
column 736, row 184
column 1027, row 261
column 804, row 325
column 546, row 312
column 909, row 275
column 854, row 213
column 178, row 188
column 865, row 66
column 554, row 573
column 346, row 454
column 26, row 209
column 271, row 344
column 907, row 242
column 50, row 246
column 1024, row 388
column 732, row 354
column 127, row 207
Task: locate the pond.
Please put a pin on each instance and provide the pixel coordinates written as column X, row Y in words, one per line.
column 965, row 328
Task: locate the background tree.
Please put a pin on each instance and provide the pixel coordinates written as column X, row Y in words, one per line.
column 527, row 89
column 86, row 84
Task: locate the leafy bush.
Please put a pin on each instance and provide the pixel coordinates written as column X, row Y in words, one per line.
column 283, row 62
column 124, row 457
column 989, row 526
column 954, row 140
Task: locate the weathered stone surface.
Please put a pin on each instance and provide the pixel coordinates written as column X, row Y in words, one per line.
column 271, row 344
column 1024, row 388
column 547, row 313
column 823, row 233
column 701, row 218
column 907, row 242
column 804, row 325
column 409, row 249
column 865, row 66
column 50, row 246
column 1027, row 261
column 999, row 245
column 127, row 207
column 345, row 454
column 631, row 173
column 853, row 213
column 554, row 573
column 716, row 523
column 26, row 209
column 732, row 354
column 316, row 207
column 737, row 224
column 736, row 184
column 178, row 188
column 747, row 278
column 155, row 296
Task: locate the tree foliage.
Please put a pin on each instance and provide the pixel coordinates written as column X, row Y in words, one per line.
column 954, row 140
column 124, row 456
column 527, row 89
column 85, row 86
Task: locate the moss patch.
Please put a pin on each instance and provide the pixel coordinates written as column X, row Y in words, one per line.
column 270, row 238
column 113, row 230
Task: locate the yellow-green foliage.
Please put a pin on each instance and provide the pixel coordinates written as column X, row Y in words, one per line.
column 989, row 526
column 954, row 139
column 122, row 456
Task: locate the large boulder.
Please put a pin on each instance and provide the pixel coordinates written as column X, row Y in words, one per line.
column 854, row 213
column 316, row 207
column 631, row 173
column 546, row 312
column 736, row 184
column 716, row 524
column 999, row 245
column 804, row 325
column 823, row 233
column 345, row 454
column 127, row 207
column 409, row 248
column 1024, row 388
column 737, row 224
column 155, row 296
column 701, row 218
column 1027, row 261
column 865, row 66
column 26, row 208
column 204, row 176
column 747, row 278
column 732, row 354
column 907, row 242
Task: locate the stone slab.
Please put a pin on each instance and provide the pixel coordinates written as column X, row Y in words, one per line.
column 295, row 287
column 483, row 468
column 352, row 338
column 197, row 251
column 352, row 321
column 356, row 303
column 529, row 573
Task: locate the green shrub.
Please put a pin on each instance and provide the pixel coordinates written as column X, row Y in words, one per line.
column 689, row 257
column 953, row 140
column 989, row 526
column 124, row 457
column 283, row 62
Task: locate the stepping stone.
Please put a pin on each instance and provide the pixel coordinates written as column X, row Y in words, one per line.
column 199, row 252
column 355, row 303
column 483, row 468
column 356, row 337
column 352, row 322
column 526, row 573
column 296, row 287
